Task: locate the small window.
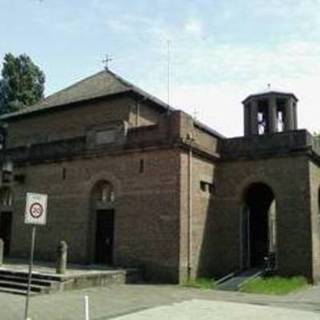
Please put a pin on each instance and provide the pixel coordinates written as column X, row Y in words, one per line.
column 7, row 169
column 203, row 186
column 5, row 197
column 103, row 192
column 64, row 173
column 211, row 188
column 2, row 138
column 141, row 166
column 105, row 136
column 207, row 187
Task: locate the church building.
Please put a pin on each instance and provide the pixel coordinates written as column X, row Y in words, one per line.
column 132, row 182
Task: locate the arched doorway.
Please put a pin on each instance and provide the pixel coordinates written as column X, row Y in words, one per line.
column 6, row 199
column 102, row 199
column 259, row 226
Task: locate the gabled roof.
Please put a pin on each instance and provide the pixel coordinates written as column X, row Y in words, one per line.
column 102, row 84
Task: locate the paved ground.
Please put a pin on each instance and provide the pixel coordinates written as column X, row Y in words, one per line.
column 124, row 300
column 217, row 310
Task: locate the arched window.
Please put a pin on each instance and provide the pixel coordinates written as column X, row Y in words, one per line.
column 5, row 196
column 103, row 192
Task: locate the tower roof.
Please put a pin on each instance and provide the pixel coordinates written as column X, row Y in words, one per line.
column 267, row 93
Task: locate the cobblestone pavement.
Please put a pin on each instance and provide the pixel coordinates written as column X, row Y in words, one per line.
column 122, row 300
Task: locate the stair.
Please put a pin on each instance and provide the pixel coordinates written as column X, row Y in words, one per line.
column 238, row 279
column 16, row 282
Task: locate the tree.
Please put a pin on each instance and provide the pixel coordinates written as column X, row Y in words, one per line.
column 22, row 83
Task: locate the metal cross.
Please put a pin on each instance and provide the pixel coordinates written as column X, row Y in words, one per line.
column 106, row 61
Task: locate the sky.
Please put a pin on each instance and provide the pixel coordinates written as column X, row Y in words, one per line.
column 220, row 51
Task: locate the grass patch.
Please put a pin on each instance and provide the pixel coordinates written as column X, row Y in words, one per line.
column 274, row 285
column 200, row 283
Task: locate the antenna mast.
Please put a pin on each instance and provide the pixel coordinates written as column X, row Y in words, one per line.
column 168, row 72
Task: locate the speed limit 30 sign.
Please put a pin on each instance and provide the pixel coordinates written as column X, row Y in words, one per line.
column 36, row 209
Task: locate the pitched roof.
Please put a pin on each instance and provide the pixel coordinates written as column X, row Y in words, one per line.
column 101, row 84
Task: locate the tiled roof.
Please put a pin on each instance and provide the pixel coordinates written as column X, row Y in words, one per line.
column 101, row 84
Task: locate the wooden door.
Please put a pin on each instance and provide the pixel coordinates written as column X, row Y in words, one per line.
column 104, row 236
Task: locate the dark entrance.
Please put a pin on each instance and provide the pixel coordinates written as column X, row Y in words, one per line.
column 258, row 225
column 104, row 236
column 5, row 230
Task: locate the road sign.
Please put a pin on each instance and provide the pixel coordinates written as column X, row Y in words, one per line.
column 36, row 214
column 36, row 209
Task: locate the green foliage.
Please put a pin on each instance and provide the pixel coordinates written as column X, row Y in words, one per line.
column 201, row 283
column 274, row 285
column 22, row 83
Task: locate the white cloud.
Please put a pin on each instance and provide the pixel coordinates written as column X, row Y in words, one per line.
column 194, row 27
column 209, row 75
column 225, row 75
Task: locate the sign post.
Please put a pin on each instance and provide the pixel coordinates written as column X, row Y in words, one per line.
column 35, row 214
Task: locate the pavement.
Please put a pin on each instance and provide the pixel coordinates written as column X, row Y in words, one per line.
column 214, row 310
column 137, row 302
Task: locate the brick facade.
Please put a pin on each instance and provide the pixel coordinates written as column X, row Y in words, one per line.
column 178, row 188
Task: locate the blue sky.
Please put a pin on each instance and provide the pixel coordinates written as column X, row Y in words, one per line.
column 221, row 51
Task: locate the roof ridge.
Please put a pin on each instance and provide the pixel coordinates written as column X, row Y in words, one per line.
column 72, row 85
column 125, row 86
column 140, row 91
column 122, row 80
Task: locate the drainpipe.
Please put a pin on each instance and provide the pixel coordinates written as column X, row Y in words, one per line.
column 190, row 204
column 137, row 113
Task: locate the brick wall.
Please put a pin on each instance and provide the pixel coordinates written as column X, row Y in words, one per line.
column 203, row 171
column 69, row 122
column 146, row 210
column 288, row 177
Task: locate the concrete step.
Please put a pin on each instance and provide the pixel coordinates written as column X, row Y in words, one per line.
column 23, row 286
column 16, row 281
column 43, row 276
column 20, row 279
column 21, row 292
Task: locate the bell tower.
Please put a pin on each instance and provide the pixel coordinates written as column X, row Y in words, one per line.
column 270, row 112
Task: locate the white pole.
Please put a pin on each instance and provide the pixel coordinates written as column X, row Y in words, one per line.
column 86, row 307
column 33, row 237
